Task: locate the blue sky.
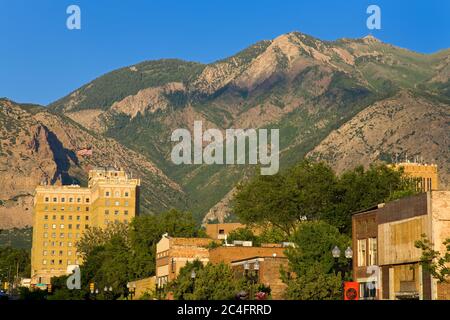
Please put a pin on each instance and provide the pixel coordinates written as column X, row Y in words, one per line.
column 41, row 60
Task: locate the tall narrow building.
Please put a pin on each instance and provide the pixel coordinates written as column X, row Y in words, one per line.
column 62, row 213
column 426, row 175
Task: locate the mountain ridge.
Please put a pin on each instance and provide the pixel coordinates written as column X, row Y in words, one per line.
column 308, row 88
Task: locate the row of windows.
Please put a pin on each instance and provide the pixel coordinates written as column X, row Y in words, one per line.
column 54, row 244
column 62, row 226
column 367, row 252
column 69, row 217
column 64, row 209
column 107, row 221
column 116, row 212
column 63, row 200
column 60, row 262
column 61, row 252
column 62, row 235
column 117, row 194
column 116, row 203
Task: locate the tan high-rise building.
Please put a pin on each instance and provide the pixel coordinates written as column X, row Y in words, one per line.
column 427, row 174
column 62, row 213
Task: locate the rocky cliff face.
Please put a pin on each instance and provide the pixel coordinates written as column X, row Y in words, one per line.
column 347, row 102
column 39, row 147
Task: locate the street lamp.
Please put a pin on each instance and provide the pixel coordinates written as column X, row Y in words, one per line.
column 131, row 289
column 336, row 253
column 348, row 253
column 108, row 291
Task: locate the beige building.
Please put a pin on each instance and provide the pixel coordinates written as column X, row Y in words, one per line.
column 220, row 231
column 62, row 213
column 384, row 239
column 427, row 174
column 172, row 254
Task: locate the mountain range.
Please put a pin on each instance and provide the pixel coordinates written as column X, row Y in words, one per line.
column 346, row 102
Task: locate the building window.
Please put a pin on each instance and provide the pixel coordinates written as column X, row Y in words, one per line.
column 47, row 199
column 87, row 218
column 70, row 217
column 70, row 226
column 60, row 252
column 44, row 262
column 62, row 217
column 78, row 227
column 61, row 226
column 126, row 203
column 53, row 226
column 78, row 200
column 61, row 235
column 54, row 217
column 372, row 252
column 116, row 212
column 46, row 217
column 53, row 235
column 362, row 253
column 78, row 209
column 69, row 244
column 78, row 218
column 70, row 200
column 52, row 262
column 106, row 211
column 117, row 194
column 87, row 200
column 117, row 203
column 63, row 199
column 45, row 226
column 55, row 199
column 44, row 252
column 125, row 212
column 45, row 235
column 107, row 194
column 127, row 194
column 46, row 208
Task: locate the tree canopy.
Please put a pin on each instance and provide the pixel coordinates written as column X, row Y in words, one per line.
column 312, row 263
column 312, row 191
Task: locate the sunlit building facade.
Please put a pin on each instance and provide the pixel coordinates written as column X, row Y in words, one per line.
column 62, row 213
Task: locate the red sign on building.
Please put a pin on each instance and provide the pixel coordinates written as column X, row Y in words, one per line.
column 351, row 290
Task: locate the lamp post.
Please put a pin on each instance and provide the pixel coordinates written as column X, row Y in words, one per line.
column 108, row 292
column 347, row 267
column 193, row 276
column 251, row 276
column 131, row 290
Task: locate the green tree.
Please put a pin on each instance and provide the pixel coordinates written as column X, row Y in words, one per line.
column 312, row 263
column 14, row 260
column 243, row 234
column 61, row 292
column 435, row 263
column 147, row 230
column 285, row 199
column 212, row 282
column 311, row 191
column 359, row 189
